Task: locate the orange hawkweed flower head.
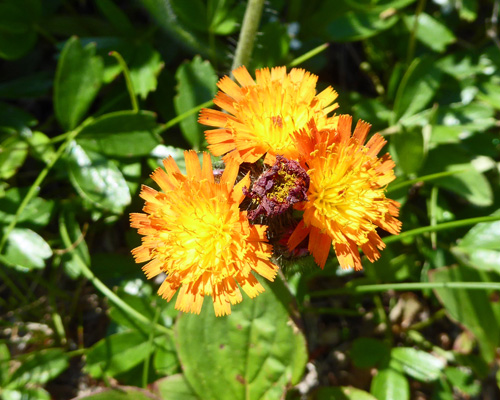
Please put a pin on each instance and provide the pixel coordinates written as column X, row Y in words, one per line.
column 196, row 234
column 346, row 196
column 262, row 114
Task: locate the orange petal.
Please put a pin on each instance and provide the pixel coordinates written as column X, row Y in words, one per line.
column 348, row 255
column 319, row 246
column 193, row 167
column 298, row 235
column 243, row 77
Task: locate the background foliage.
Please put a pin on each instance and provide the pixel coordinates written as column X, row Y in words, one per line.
column 75, row 147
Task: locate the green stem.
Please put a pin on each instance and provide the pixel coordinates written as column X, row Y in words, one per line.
column 99, row 285
column 145, row 370
column 413, row 33
column 308, row 55
column 424, row 178
column 35, row 187
column 441, row 227
column 249, row 28
column 384, row 287
column 179, row 118
column 126, row 74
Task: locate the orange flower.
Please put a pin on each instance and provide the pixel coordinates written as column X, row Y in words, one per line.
column 195, row 232
column 263, row 114
column 346, row 193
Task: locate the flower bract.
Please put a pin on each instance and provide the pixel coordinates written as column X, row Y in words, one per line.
column 196, row 234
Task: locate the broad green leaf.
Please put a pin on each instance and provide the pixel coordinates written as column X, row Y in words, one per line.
column 12, row 155
column 26, row 249
column 26, row 394
column 431, row 32
column 38, row 368
column 467, row 183
column 77, row 82
column 14, row 120
column 193, row 13
column 121, row 393
column 97, row 179
column 40, row 146
column 117, row 353
column 471, row 308
column 196, row 84
column 121, row 134
column 4, row 362
column 37, row 212
column 249, row 353
column 358, row 25
column 480, row 247
column 342, row 393
column 224, row 16
column 17, row 33
column 390, row 384
column 165, row 360
column 116, row 17
column 489, row 92
column 271, row 46
column 175, row 387
column 458, row 121
column 68, row 226
column 418, row 364
column 467, row 9
column 145, row 66
column 410, row 149
column 463, row 380
column 417, row 88
column 33, row 85
column 368, row 352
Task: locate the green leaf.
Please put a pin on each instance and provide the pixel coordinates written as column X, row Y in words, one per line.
column 26, row 249
column 271, row 46
column 342, row 393
column 459, row 121
column 41, row 147
column 68, row 226
column 471, row 308
column 368, row 352
column 166, row 361
column 463, row 380
column 358, row 25
column 390, row 384
column 193, row 13
column 121, row 134
column 224, row 17
column 196, row 84
column 13, row 152
column 17, row 33
column 116, row 17
column 145, row 66
column 38, row 368
column 418, row 87
column 480, row 247
column 120, row 393
column 77, row 82
column 468, row 183
column 250, row 353
column 4, row 363
column 410, row 149
column 489, row 93
column 117, row 353
column 431, row 32
column 36, row 213
column 33, row 85
column 97, row 179
column 26, row 394
column 175, row 387
column 14, row 120
column 418, row 364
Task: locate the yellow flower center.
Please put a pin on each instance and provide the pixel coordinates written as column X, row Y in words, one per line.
column 282, row 186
